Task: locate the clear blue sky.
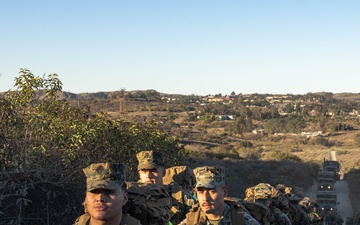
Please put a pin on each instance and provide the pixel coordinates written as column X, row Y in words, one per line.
column 184, row 47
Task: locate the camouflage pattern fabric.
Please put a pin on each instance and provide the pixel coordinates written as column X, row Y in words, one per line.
column 284, row 190
column 149, row 160
column 300, row 217
column 305, row 202
column 257, row 210
column 109, row 176
column 266, row 194
column 149, row 203
column 262, row 191
column 182, row 202
column 281, row 187
column 209, row 176
column 288, row 190
column 182, row 175
column 280, row 200
column 313, row 212
column 280, row 217
column 126, row 220
column 225, row 220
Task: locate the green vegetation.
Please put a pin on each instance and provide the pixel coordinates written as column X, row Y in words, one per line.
column 45, row 143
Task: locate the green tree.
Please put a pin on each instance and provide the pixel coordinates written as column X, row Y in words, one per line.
column 45, row 143
column 289, row 108
column 240, row 125
column 285, row 125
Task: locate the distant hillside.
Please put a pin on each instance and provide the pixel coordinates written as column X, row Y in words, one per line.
column 114, row 94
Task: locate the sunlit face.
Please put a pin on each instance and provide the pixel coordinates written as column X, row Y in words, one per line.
column 153, row 176
column 105, row 205
column 211, row 200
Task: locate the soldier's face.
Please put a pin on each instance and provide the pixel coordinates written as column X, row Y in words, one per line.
column 211, row 200
column 105, row 205
column 153, row 176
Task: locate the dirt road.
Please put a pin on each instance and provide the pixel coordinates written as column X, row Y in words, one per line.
column 341, row 189
column 344, row 207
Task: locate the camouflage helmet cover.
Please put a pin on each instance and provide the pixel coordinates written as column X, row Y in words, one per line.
column 209, row 176
column 281, row 187
column 288, row 190
column 109, row 176
column 306, row 201
column 149, row 160
column 262, row 191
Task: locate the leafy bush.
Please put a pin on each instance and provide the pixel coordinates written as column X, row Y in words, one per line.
column 240, row 125
column 45, row 143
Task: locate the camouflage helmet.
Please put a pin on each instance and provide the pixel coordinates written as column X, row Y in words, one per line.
column 288, row 190
column 149, row 160
column 209, row 176
column 281, row 187
column 109, row 176
column 306, row 201
column 262, row 191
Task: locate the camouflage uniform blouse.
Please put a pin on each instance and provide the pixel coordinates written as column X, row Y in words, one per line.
column 278, row 217
column 182, row 201
column 225, row 220
column 126, row 220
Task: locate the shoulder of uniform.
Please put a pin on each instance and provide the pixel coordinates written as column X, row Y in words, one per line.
column 173, row 187
column 249, row 220
column 183, row 222
column 129, row 220
column 82, row 220
column 233, row 202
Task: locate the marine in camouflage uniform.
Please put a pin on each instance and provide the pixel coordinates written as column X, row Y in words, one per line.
column 151, row 170
column 105, row 196
column 263, row 193
column 296, row 213
column 312, row 210
column 212, row 209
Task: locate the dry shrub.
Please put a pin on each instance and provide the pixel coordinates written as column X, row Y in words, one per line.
column 280, row 155
column 254, row 137
column 276, row 138
column 222, row 152
column 250, row 153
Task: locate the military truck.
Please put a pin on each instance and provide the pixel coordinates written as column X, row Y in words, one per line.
column 326, row 174
column 326, row 184
column 332, row 166
column 327, row 201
